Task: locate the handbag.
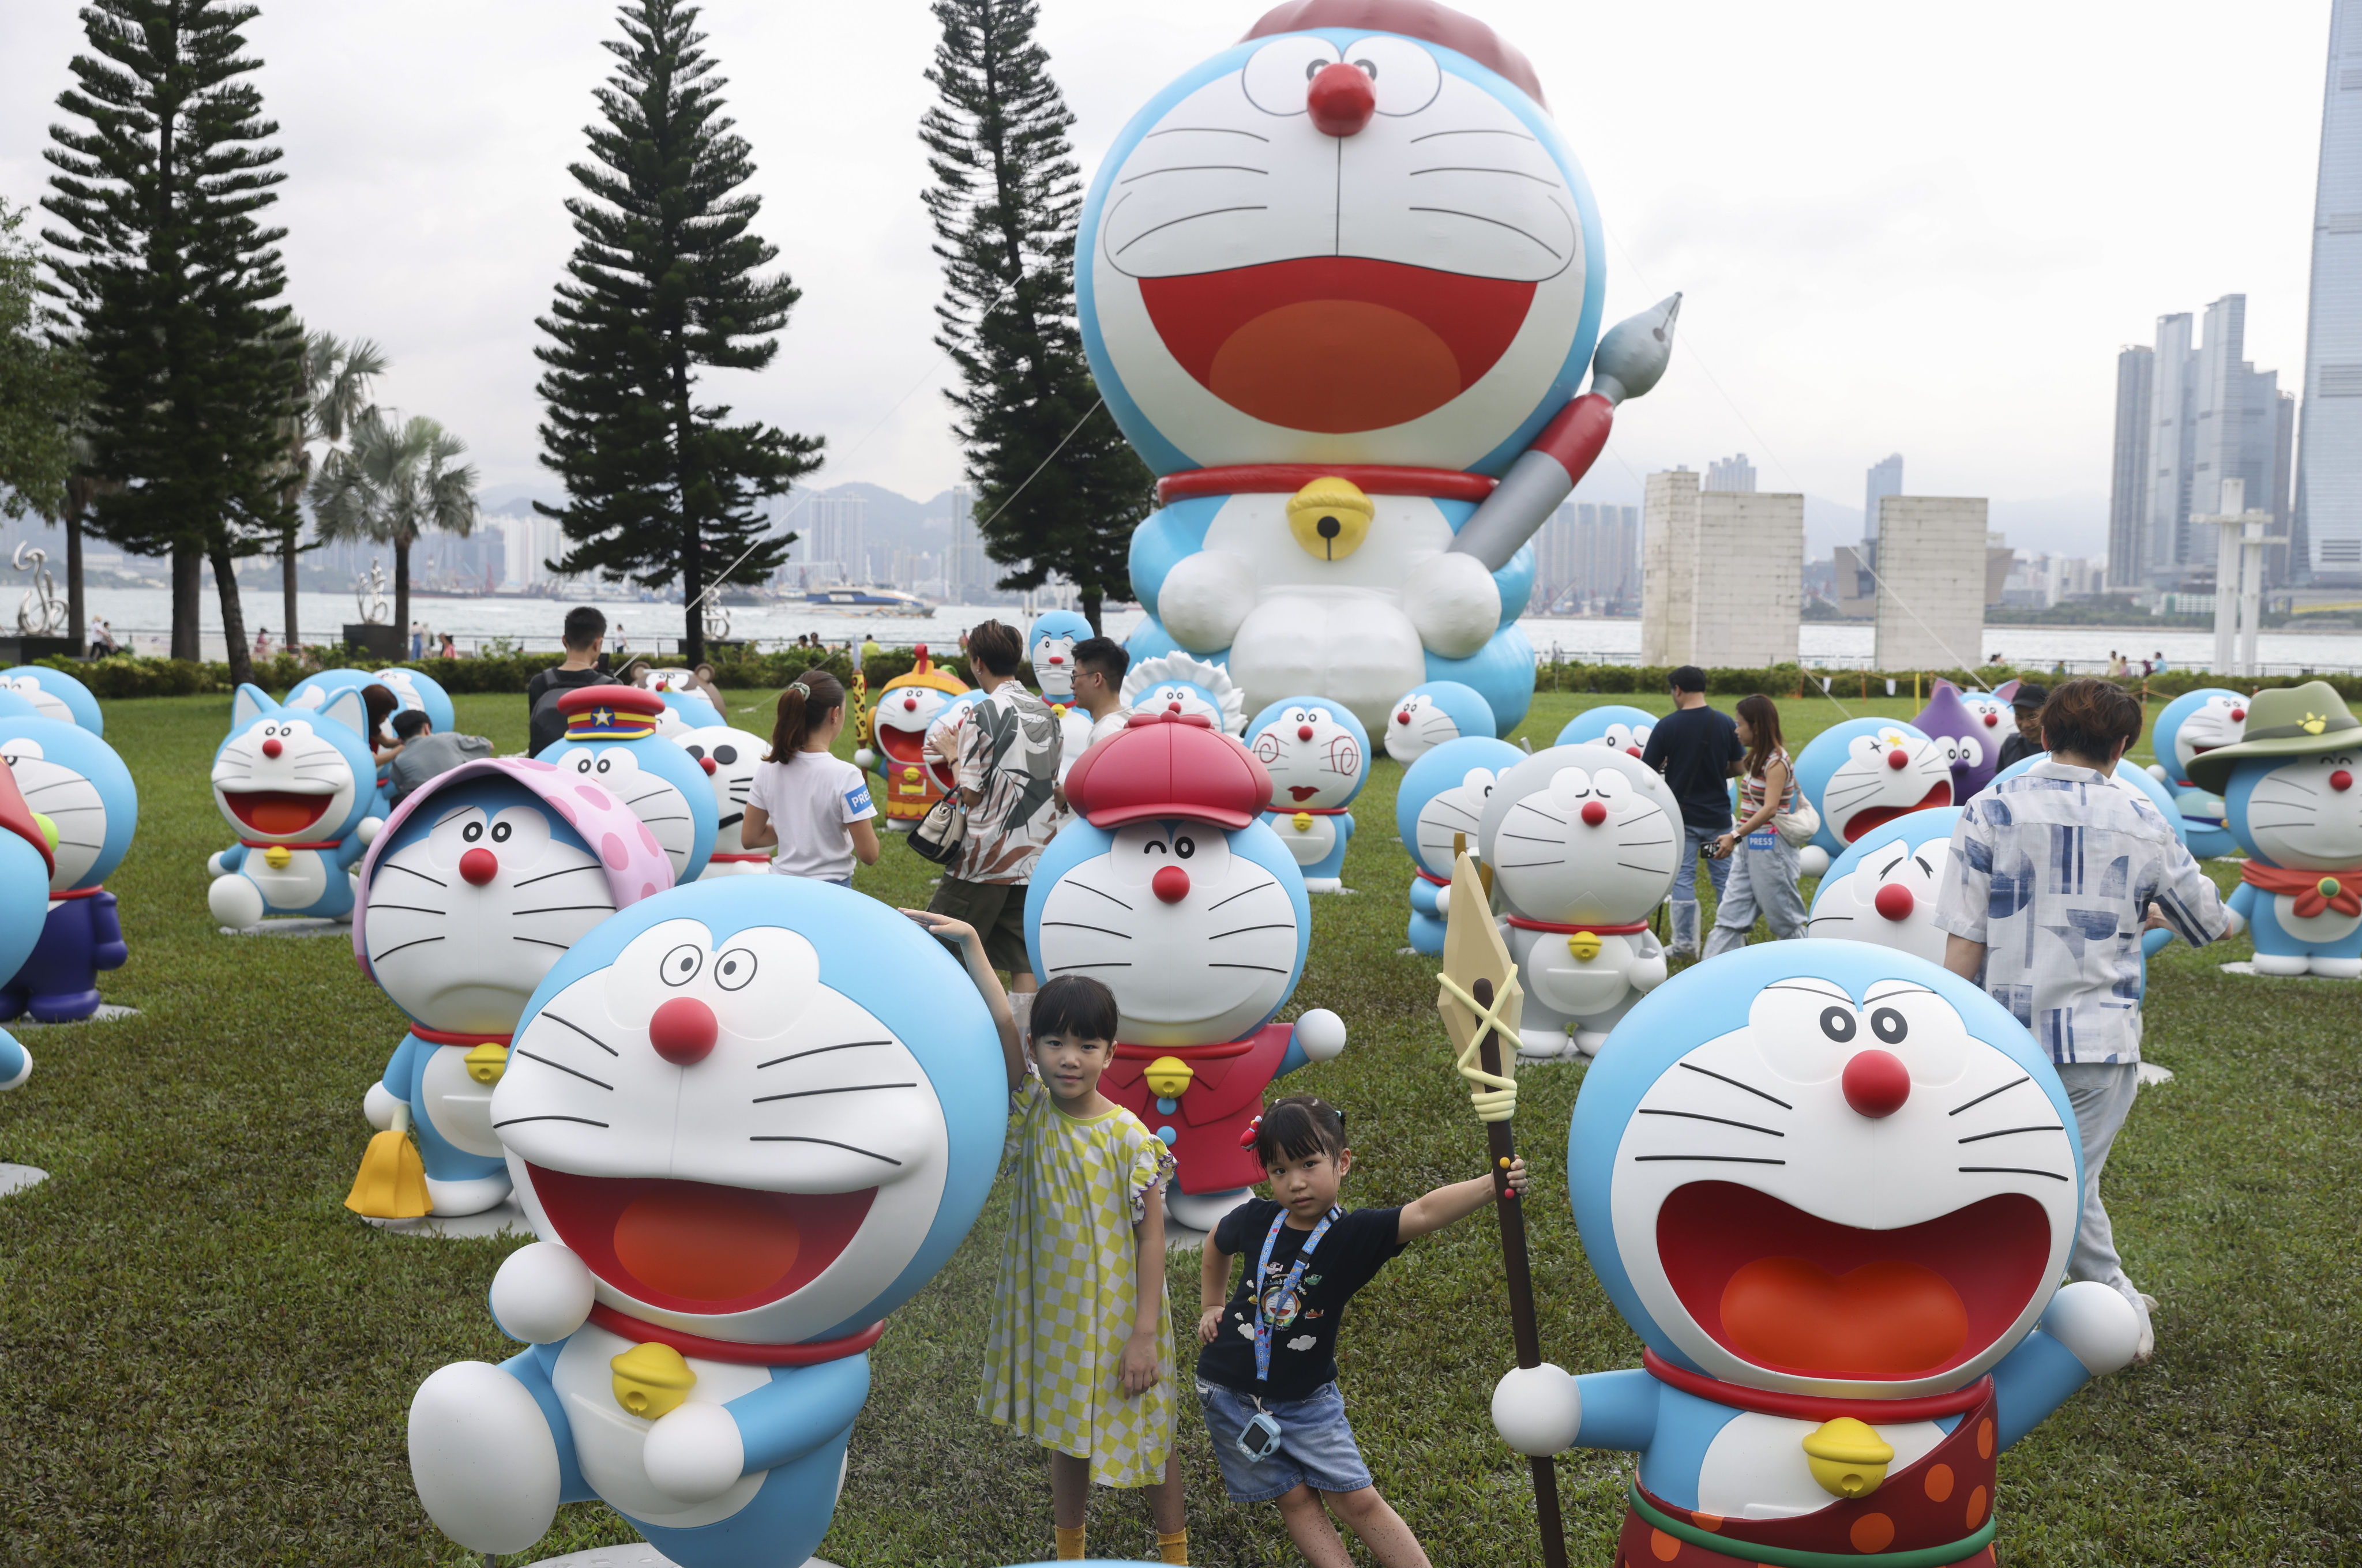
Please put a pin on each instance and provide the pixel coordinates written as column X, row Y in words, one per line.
column 1796, row 828
column 942, row 833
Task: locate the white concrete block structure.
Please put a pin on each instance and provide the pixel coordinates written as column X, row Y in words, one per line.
column 1931, row 568
column 1723, row 574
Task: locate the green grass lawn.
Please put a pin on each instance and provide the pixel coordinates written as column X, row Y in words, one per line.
column 208, row 1361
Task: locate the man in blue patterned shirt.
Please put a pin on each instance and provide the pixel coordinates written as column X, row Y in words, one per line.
column 2056, row 869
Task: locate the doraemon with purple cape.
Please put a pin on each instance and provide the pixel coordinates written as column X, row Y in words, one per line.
column 76, row 780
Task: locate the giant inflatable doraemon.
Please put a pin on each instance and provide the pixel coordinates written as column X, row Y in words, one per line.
column 1172, row 891
column 1432, row 713
column 1438, row 807
column 71, row 776
column 55, row 695
column 611, row 741
column 1626, row 729
column 1318, row 755
column 298, row 785
column 1584, row 841
column 2191, row 725
column 1833, row 1188
column 2291, row 799
column 1864, row 772
column 747, row 1120
column 1350, row 352
column 482, row 878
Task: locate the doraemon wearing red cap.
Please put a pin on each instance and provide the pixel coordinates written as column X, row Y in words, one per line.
column 1173, row 892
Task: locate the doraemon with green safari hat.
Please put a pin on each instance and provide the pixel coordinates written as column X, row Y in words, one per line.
column 76, row 781
column 1438, row 807
column 747, row 1120
column 2290, row 797
column 1834, row 1188
column 614, row 738
column 1319, row 757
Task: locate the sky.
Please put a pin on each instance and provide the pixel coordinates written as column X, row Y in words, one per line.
column 1915, row 229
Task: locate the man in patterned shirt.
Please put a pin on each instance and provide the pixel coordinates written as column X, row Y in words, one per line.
column 2056, row 867
column 1007, row 766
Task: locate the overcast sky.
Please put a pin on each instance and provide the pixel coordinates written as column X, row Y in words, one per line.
column 1899, row 227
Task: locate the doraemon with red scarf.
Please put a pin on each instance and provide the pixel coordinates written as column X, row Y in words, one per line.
column 1173, row 892
column 1833, row 1188
column 1340, row 284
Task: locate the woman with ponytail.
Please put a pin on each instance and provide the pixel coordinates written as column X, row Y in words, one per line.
column 813, row 805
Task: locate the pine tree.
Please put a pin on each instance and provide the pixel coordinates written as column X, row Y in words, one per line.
column 1006, row 201
column 173, row 283
column 664, row 282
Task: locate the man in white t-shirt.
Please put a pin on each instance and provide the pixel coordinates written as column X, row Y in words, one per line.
column 1099, row 666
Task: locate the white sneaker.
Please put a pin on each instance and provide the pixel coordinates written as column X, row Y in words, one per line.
column 2147, row 1346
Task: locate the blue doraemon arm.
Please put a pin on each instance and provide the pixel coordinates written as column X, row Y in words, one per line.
column 1422, row 898
column 1515, row 578
column 2242, row 901
column 800, row 1409
column 230, row 859
column 1619, row 1410
column 2032, row 1380
column 401, row 1067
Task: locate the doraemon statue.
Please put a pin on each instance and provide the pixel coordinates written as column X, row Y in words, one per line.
column 1433, row 712
column 611, row 740
column 1833, row 1188
column 1583, row 841
column 482, row 880
column 729, row 758
column 298, row 785
column 906, row 709
column 2192, row 725
column 422, row 692
column 1973, row 747
column 684, row 711
column 1996, row 712
column 55, row 695
column 1626, row 729
column 1318, row 755
column 1175, row 683
column 1882, row 888
column 1352, row 362
column 74, row 779
column 747, row 1120
column 2290, row 797
column 27, row 865
column 1864, row 772
column 1438, row 807
column 1050, row 648
column 314, row 692
column 1172, row 891
column 2131, row 778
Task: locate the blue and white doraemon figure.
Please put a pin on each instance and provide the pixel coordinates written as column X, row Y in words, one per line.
column 1882, row 888
column 1438, row 808
column 613, row 739
column 1352, row 364
column 686, row 708
column 747, row 1120
column 74, row 779
column 1318, row 755
column 423, row 693
column 1050, row 648
column 2291, row 793
column 27, row 863
column 482, row 878
column 729, row 758
column 2191, row 725
column 1864, row 772
column 1433, row 712
column 1626, row 728
column 298, row 785
column 1175, row 683
column 1833, row 1188
column 55, row 695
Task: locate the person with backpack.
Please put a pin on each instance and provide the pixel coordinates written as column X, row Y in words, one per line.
column 586, row 631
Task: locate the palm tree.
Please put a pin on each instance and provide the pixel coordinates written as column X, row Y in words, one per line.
column 392, row 481
column 333, row 391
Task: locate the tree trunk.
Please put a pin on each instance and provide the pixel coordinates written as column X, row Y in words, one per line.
column 402, row 591
column 1090, row 603
column 73, row 584
column 241, row 653
column 692, row 585
column 188, row 571
column 292, row 642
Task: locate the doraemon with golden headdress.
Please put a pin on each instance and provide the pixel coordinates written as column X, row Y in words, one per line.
column 1339, row 283
column 747, row 1120
column 1833, row 1188
column 907, row 709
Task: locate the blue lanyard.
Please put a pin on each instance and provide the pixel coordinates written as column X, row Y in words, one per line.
column 1294, row 1273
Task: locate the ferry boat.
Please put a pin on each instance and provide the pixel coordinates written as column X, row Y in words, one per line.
column 870, row 601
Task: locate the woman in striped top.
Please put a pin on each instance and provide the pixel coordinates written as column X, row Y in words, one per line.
column 1763, row 869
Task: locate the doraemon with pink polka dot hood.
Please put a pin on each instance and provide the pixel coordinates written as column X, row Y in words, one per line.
column 747, row 1120
column 1340, row 284
column 1833, row 1188
column 482, row 880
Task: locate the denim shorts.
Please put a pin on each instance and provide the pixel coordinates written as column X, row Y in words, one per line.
column 1316, row 1444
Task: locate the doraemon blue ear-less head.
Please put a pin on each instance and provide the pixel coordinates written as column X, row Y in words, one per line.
column 55, row 695
column 425, row 693
column 1429, row 715
column 74, row 779
column 762, row 1110
column 1825, row 1167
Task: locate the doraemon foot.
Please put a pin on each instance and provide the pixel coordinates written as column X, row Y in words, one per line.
column 482, row 1458
column 69, row 1007
column 235, row 901
column 471, row 1194
column 1204, row 1210
column 1542, row 1042
column 1589, row 1041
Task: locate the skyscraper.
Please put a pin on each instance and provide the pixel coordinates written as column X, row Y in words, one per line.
column 2327, row 542
column 2126, row 491
column 2210, row 415
column 1884, row 480
column 1731, row 475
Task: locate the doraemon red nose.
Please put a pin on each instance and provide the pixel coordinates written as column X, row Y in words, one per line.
column 684, row 1032
column 1341, row 99
column 1876, row 1083
column 2341, row 781
column 1594, row 813
column 1304, row 733
column 272, row 747
column 1898, row 758
column 479, row 866
column 2239, row 715
column 1992, row 719
column 1895, row 901
column 1170, row 884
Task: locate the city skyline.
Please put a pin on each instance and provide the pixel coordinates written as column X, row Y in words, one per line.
column 2328, row 504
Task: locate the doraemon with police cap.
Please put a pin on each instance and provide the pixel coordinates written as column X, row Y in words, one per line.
column 1172, row 891
column 1318, row 755
column 613, row 739
column 76, row 780
column 1438, row 808
column 1350, row 355
column 1833, row 1188
column 298, row 785
column 747, row 1120
column 1433, row 712
column 1627, row 729
column 484, row 877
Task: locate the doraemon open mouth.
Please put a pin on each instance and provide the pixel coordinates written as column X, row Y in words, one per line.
column 1869, row 817
column 1336, row 344
column 1790, row 1292
column 692, row 1246
column 901, row 745
column 276, row 813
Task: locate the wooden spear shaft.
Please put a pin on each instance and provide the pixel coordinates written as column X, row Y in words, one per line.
column 1523, row 1327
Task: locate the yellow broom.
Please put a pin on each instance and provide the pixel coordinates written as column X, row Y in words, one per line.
column 392, row 1184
